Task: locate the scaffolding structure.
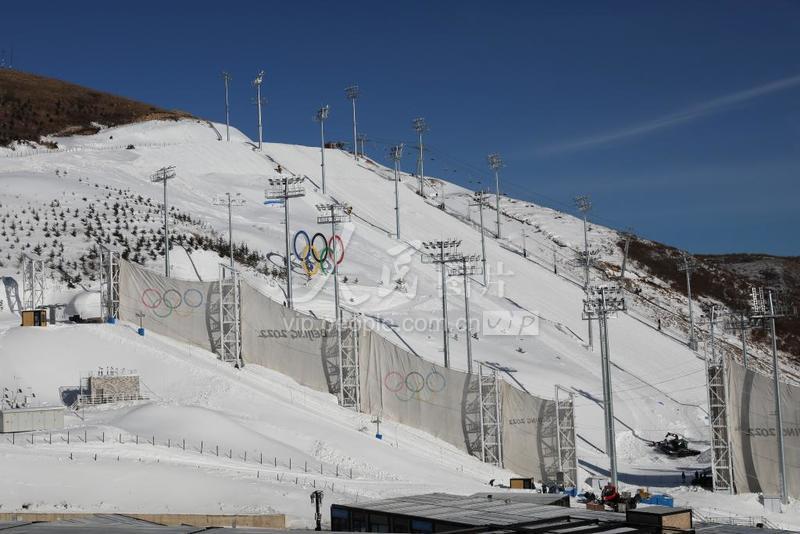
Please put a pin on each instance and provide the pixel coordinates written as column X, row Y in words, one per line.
column 109, row 283
column 230, row 341
column 489, row 395
column 32, row 282
column 721, row 465
column 349, row 391
column 565, row 437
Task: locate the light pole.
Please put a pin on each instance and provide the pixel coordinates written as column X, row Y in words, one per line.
column 285, row 188
column 420, row 126
column 162, row 175
column 352, row 93
column 628, row 235
column 688, row 266
column 227, row 78
column 584, row 205
column 333, row 214
column 321, row 117
column 442, row 252
column 768, row 309
column 230, row 201
column 257, row 83
column 495, row 163
column 480, row 200
column 395, row 153
column 362, row 138
column 466, row 267
column 600, row 302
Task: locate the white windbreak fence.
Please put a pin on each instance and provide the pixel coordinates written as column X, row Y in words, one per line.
column 405, row 388
column 754, row 441
column 188, row 311
column 529, row 434
column 290, row 342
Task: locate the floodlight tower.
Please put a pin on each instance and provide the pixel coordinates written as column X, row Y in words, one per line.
column 395, row 153
column 162, row 175
column 768, row 309
column 227, row 78
column 496, row 163
column 257, row 84
column 321, row 117
column 335, row 213
column 420, row 126
column 584, row 205
column 600, row 302
column 465, row 268
column 352, row 92
column 285, row 188
column 479, row 200
column 442, row 252
column 688, row 265
column 231, row 201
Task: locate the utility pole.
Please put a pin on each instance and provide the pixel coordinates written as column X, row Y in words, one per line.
column 352, row 93
column 466, row 267
column 395, row 153
column 285, row 188
column 688, row 266
column 442, row 252
column 584, row 205
column 628, row 235
column 768, row 310
column 227, row 78
column 600, row 302
column 479, row 199
column 321, row 117
column 333, row 214
column 257, row 83
column 162, row 175
column 420, row 126
column 230, row 201
column 496, row 163
column 362, row 138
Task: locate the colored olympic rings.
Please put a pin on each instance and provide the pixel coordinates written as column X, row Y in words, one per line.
column 171, row 300
column 318, row 252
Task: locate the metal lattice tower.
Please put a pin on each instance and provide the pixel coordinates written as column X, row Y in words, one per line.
column 442, row 252
column 565, row 434
column 109, row 283
column 32, row 282
column 490, row 410
column 420, row 126
column 600, row 302
column 721, row 465
column 321, row 116
column 163, row 175
column 496, row 163
column 352, row 93
column 285, row 188
column 396, row 153
column 350, row 390
column 468, row 266
column 688, row 265
column 257, row 84
column 230, row 345
column 334, row 214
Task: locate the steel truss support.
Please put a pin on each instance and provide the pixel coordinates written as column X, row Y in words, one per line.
column 109, row 283
column 565, row 437
column 32, row 283
column 349, row 391
column 721, row 465
column 230, row 340
column 491, row 420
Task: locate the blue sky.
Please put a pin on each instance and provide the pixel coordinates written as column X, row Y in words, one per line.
column 681, row 119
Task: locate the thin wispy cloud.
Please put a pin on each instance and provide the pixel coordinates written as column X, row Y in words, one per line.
column 667, row 121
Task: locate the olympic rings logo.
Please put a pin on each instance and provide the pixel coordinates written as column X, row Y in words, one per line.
column 414, row 385
column 317, row 254
column 172, row 300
